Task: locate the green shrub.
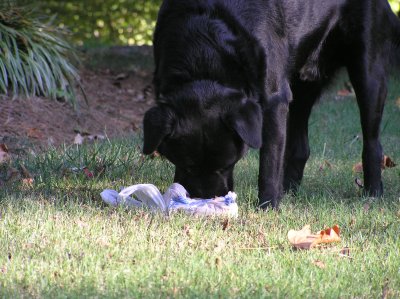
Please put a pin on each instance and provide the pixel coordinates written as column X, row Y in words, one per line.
column 34, row 58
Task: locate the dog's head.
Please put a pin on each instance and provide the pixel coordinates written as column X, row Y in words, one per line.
column 203, row 129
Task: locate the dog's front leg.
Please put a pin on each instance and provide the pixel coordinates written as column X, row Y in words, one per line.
column 270, row 180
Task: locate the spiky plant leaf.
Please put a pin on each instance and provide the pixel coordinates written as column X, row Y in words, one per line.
column 34, row 57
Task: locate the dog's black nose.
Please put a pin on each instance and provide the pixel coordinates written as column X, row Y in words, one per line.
column 203, row 186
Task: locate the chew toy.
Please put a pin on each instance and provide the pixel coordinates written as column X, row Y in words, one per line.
column 174, row 199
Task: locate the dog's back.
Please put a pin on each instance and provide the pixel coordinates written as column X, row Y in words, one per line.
column 308, row 34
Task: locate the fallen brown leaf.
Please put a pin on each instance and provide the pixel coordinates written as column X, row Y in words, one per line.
column 304, row 239
column 319, row 264
column 103, row 242
column 27, row 182
column 225, row 224
column 4, row 153
column 345, row 252
column 4, row 147
column 88, row 173
column 81, row 223
column 34, row 133
column 344, row 93
column 218, row 262
column 78, row 139
column 324, row 165
column 155, row 155
column 398, row 102
column 387, row 162
column 121, row 76
column 3, row 269
column 385, row 290
column 359, row 183
column 358, row 167
column 187, row 230
column 95, row 137
column 219, row 246
column 175, row 291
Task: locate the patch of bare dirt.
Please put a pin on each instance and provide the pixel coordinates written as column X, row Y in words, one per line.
column 116, row 105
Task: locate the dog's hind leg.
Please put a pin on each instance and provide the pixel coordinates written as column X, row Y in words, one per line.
column 297, row 147
column 369, row 81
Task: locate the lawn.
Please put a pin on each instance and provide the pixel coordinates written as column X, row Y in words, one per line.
column 57, row 239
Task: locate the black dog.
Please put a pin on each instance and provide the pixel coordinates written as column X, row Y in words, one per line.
column 237, row 73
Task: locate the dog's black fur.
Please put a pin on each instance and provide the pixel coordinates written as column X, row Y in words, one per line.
column 237, row 73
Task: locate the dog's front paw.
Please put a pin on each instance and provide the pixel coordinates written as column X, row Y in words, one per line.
column 374, row 190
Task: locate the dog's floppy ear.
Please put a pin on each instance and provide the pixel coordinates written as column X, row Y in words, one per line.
column 157, row 124
column 247, row 122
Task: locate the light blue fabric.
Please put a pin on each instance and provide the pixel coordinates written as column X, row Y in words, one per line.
column 174, row 199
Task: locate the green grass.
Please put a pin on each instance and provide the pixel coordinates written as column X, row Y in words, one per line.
column 58, row 240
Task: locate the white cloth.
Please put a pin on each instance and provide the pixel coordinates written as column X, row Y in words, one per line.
column 174, row 199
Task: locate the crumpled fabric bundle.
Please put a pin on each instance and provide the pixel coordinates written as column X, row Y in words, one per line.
column 174, row 199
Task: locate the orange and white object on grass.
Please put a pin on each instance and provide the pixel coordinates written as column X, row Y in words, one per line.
column 304, row 239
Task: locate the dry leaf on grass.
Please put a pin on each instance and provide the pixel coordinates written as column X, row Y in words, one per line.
column 325, row 165
column 103, row 241
column 220, row 246
column 345, row 252
column 88, row 173
column 319, row 264
column 398, row 102
column 187, row 230
column 359, row 183
column 27, row 182
column 225, row 224
column 344, row 93
column 387, row 162
column 358, row 167
column 34, row 133
column 218, row 262
column 96, row 137
column 78, row 139
column 81, row 223
column 4, row 154
column 348, row 90
column 304, row 239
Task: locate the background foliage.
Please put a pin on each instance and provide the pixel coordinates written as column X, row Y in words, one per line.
column 116, row 22
column 105, row 22
column 395, row 4
column 34, row 58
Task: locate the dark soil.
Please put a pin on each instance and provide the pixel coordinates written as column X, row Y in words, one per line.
column 117, row 85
